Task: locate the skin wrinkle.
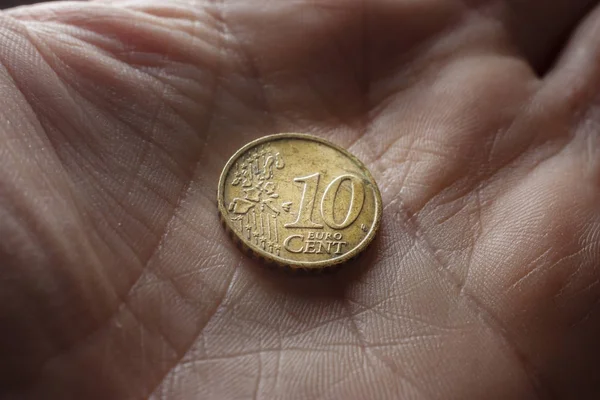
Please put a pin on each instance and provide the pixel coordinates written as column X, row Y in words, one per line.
column 371, row 349
column 327, row 102
column 152, row 254
column 199, row 270
column 408, row 151
column 514, row 285
column 123, row 205
column 279, row 361
column 59, row 349
column 464, row 208
column 142, row 159
column 71, row 199
column 525, row 176
column 211, row 315
column 404, row 341
column 216, row 86
column 149, row 141
column 255, row 74
column 574, row 255
column 37, row 123
column 123, row 308
column 253, row 353
column 315, row 328
column 408, row 162
column 367, row 351
column 250, row 62
column 187, row 187
column 254, row 71
column 487, row 316
column 391, row 317
column 146, row 142
column 587, row 288
column 488, row 176
column 110, row 55
column 367, row 348
column 551, row 266
column 258, row 377
column 476, row 235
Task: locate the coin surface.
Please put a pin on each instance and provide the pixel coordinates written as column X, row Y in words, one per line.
column 299, row 201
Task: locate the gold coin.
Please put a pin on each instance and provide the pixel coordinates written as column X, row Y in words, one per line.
column 299, row 201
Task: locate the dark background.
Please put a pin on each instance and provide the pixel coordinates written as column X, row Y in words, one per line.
column 14, row 3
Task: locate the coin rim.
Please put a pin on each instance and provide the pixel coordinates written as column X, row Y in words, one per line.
column 359, row 248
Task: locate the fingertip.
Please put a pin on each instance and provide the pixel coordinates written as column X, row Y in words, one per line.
column 575, row 77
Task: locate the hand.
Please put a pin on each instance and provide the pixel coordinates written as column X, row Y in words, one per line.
column 117, row 281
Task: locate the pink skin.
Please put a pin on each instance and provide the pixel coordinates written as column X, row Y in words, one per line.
column 479, row 120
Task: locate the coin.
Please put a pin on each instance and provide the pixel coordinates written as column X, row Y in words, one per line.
column 299, row 201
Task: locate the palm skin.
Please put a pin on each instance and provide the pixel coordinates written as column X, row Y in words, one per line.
column 117, row 281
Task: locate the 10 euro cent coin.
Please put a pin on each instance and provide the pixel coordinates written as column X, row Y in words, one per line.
column 299, row 201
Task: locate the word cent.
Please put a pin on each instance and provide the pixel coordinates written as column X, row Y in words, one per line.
column 299, row 201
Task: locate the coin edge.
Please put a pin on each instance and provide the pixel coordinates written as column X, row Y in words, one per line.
column 277, row 260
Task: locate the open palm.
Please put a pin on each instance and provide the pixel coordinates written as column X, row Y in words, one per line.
column 117, row 281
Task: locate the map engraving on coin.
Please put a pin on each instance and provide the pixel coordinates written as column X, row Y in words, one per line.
column 299, row 201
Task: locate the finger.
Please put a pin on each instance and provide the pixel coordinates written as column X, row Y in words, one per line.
column 566, row 268
column 539, row 27
column 571, row 91
column 574, row 82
